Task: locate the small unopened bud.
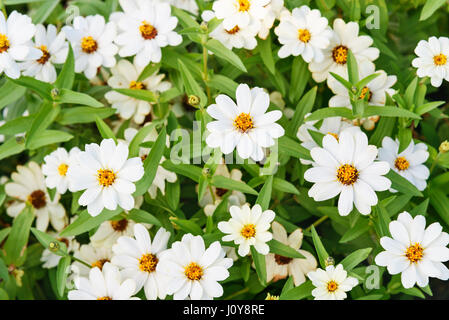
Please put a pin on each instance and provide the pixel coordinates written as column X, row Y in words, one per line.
column 369, row 125
column 53, row 246
column 206, row 171
column 20, row 139
column 444, row 147
column 54, row 93
column 329, row 261
column 194, row 100
column 354, row 89
column 203, row 26
column 172, row 220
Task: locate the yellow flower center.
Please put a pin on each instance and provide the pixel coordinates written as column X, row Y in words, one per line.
column 148, row 262
column 347, row 174
column 401, row 163
column 136, row 85
column 243, row 122
column 366, row 91
column 332, row 286
column 89, row 45
column 440, row 60
column 104, row 298
column 233, row 30
column 304, row 35
column 414, row 253
column 106, row 177
column 193, row 271
column 333, row 135
column 119, row 225
column 99, row 263
column 4, row 43
column 248, row 231
column 37, row 199
column 340, row 54
column 147, row 31
column 244, row 5
column 62, row 169
column 45, row 55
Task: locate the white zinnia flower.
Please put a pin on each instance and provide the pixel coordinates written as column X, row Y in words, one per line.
column 54, row 49
column 91, row 38
column 248, row 227
column 432, row 60
column 28, row 186
column 273, row 12
column 55, row 168
column 105, row 284
column 332, row 126
column 124, row 76
column 332, row 283
column 144, row 28
column 345, row 37
column 94, row 256
column 409, row 163
column 106, row 175
column 194, row 271
column 188, row 5
column 415, row 251
column 346, row 167
column 109, row 231
column 240, row 12
column 305, row 32
column 15, row 43
column 138, row 258
column 244, row 125
column 50, row 259
column 280, row 267
column 236, row 37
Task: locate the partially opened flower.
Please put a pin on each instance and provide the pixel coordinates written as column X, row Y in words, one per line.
column 332, row 283
column 109, row 231
column 194, row 271
column 237, row 37
column 240, row 12
column 273, row 12
column 248, row 227
column 107, row 176
column 245, row 125
column 415, row 251
column 104, row 284
column 408, row 163
column 55, row 168
column 94, row 256
column 138, row 258
column 346, row 167
column 280, row 267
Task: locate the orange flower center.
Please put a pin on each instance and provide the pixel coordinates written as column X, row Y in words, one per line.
column 340, row 54
column 89, row 45
column 414, row 253
column 440, row 60
column 347, row 174
column 332, row 286
column 147, row 31
column 104, row 298
column 248, row 231
column 244, row 5
column 233, row 30
column 193, row 271
column 148, row 263
column 106, row 177
column 136, row 85
column 366, row 92
column 243, row 122
column 99, row 263
column 401, row 163
column 45, row 55
column 4, row 43
column 62, row 169
column 304, row 35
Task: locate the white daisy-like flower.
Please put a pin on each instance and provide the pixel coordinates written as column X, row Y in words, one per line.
column 109, row 231
column 245, row 125
column 138, row 258
column 91, row 38
column 55, row 168
column 124, row 76
column 54, row 49
column 248, row 227
column 107, row 176
column 432, row 60
column 15, row 43
column 237, row 37
column 105, row 284
column 194, row 271
column 280, row 267
column 188, row 5
column 332, row 126
column 51, row 260
column 332, row 283
column 144, row 28
column 94, row 256
column 162, row 174
column 273, row 12
column 28, row 186
column 409, row 163
column 305, row 32
column 415, row 251
column 346, row 167
column 240, row 13
column 345, row 37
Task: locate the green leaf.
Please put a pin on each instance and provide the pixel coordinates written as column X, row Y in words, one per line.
column 224, row 53
column 43, row 11
column 292, row 148
column 303, row 107
column 149, row 70
column 404, row 137
column 353, row 70
column 330, row 112
column 85, row 222
column 138, row 94
column 61, row 274
column 284, row 186
column 348, row 85
column 190, row 171
column 428, row 107
column 67, row 75
column 281, row 249
column 387, row 111
column 45, row 240
column 69, row 96
column 362, row 83
column 83, row 114
column 40, row 87
column 188, row 226
column 140, row 136
column 266, row 54
column 17, row 125
column 17, row 240
column 298, row 293
column 223, row 84
column 300, row 75
column 104, row 129
column 265, row 194
column 49, row 137
column 4, row 273
column 355, row 258
column 47, row 113
column 430, row 7
column 11, row 147
column 10, row 92
column 402, row 185
column 320, row 250
column 229, row 184
column 259, row 262
column 361, row 226
column 191, row 86
column 440, row 203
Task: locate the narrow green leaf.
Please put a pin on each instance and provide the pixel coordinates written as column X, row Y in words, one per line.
column 321, row 251
column 46, row 115
column 10, row 92
column 67, row 75
column 17, row 240
column 266, row 54
column 62, row 273
column 188, row 226
column 281, row 249
column 104, row 130
column 303, row 107
column 85, row 222
column 224, row 53
column 69, row 96
column 11, row 147
column 301, row 292
column 402, row 185
column 190, row 84
column 259, row 262
column 355, row 258
column 142, row 216
column 83, row 114
column 265, row 194
column 229, row 184
column 40, row 87
column 430, row 7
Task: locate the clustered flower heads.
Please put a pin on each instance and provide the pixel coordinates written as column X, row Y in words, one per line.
column 199, row 150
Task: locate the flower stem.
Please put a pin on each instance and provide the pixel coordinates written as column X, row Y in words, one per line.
column 2, row 5
column 82, row 262
column 318, row 222
column 205, row 73
column 435, row 162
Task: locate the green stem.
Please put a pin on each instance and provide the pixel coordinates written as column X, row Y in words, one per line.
column 2, row 5
column 235, row 294
column 82, row 262
column 435, row 162
column 205, row 73
column 317, row 223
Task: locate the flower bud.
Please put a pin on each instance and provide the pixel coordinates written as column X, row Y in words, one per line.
column 444, row 147
column 329, row 261
column 54, row 93
column 53, row 246
column 194, row 100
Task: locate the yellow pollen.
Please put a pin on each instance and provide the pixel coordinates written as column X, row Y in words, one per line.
column 244, row 5
column 440, row 60
column 104, row 298
column 62, row 169
column 193, row 271
column 347, row 174
column 366, row 91
column 340, row 54
column 136, row 85
column 243, row 122
column 148, row 262
column 106, row 177
column 99, row 263
column 332, row 286
column 304, row 35
column 248, row 231
column 89, row 45
column 333, row 135
column 414, row 253
column 147, row 31
column 401, row 163
column 4, row 43
column 233, row 30
column 45, row 55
